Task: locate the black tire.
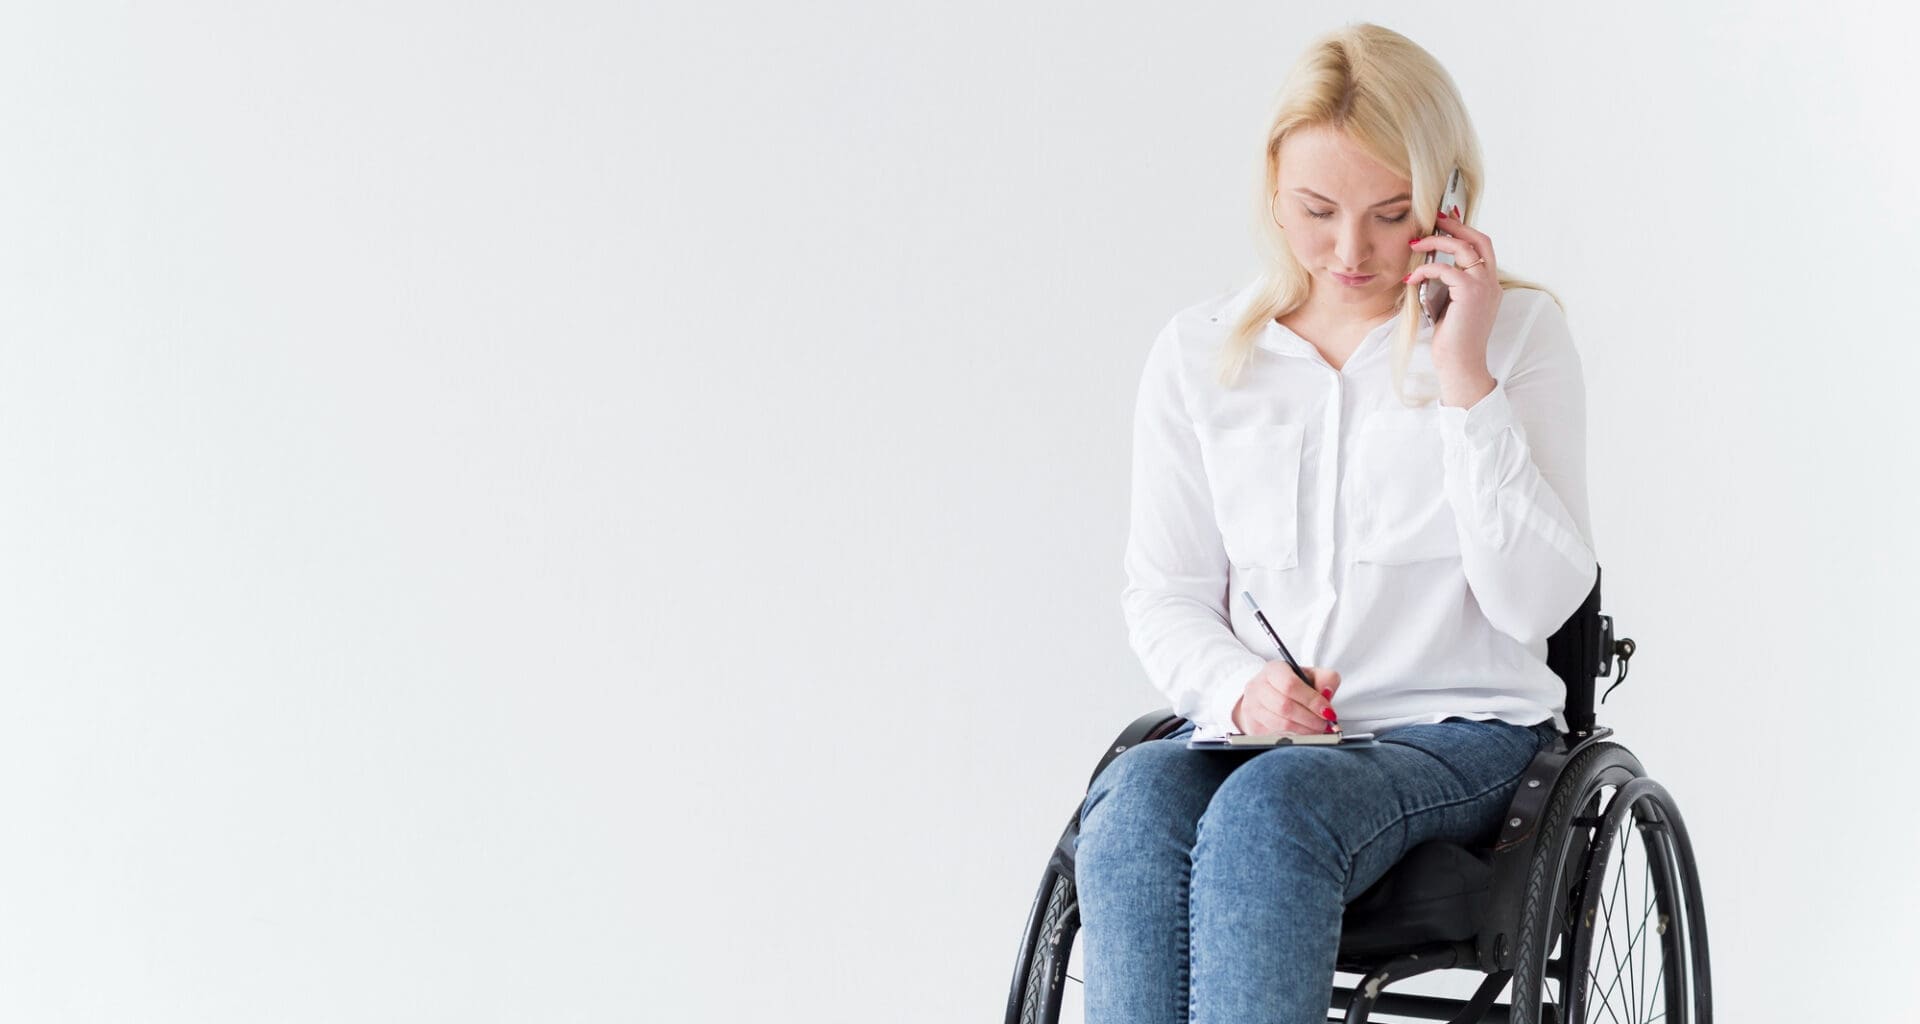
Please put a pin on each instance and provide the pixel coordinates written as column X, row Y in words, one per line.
column 1049, row 945
column 1605, row 816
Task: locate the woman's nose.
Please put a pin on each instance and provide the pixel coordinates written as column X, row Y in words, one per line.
column 1352, row 248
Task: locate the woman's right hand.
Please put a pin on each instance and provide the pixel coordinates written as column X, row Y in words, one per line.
column 1275, row 701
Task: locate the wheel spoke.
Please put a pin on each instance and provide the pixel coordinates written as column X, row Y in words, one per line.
column 1633, row 995
column 1626, row 978
column 1635, row 942
column 1607, row 945
column 1623, row 982
column 1603, row 941
column 1610, row 947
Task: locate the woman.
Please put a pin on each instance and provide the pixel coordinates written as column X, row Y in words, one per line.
column 1407, row 503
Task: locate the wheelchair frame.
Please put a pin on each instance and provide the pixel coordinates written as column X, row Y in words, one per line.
column 1547, row 807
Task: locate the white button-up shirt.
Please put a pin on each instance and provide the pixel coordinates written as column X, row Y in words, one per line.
column 1425, row 554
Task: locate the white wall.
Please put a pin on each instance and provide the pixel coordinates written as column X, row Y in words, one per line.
column 576, row 513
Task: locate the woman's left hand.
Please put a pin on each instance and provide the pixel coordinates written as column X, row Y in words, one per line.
column 1460, row 340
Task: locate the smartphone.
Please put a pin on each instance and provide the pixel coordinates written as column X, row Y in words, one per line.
column 1433, row 291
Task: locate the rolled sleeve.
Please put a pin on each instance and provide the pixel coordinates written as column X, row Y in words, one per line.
column 1472, row 439
column 1219, row 709
column 1481, row 423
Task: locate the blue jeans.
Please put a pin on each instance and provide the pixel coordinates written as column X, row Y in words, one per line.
column 1212, row 883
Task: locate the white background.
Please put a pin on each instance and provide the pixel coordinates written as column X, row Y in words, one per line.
column 593, row 514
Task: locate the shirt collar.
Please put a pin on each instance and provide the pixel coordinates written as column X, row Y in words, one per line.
column 1275, row 337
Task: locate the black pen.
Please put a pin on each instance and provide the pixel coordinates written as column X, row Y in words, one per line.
column 1284, row 653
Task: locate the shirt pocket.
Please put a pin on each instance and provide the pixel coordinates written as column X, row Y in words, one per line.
column 1253, row 474
column 1401, row 492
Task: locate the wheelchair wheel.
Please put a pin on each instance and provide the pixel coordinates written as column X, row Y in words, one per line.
column 1613, row 919
column 1041, row 970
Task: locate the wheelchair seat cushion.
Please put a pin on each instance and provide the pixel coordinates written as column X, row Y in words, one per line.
column 1434, row 894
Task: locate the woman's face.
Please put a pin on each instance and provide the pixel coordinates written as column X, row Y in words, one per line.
column 1345, row 214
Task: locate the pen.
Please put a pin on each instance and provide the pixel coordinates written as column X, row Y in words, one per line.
column 1284, row 653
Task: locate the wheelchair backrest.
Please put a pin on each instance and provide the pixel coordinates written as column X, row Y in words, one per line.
column 1577, row 653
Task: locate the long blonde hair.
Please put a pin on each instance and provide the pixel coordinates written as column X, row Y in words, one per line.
column 1400, row 107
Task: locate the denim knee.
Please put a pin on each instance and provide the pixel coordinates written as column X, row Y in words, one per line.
column 1278, row 798
column 1158, row 788
column 1137, row 777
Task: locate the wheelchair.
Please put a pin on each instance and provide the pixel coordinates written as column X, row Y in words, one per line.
column 1586, row 898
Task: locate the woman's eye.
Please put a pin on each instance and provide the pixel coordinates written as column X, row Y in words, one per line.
column 1320, row 215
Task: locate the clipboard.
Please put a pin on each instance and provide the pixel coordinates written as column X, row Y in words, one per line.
column 1272, row 740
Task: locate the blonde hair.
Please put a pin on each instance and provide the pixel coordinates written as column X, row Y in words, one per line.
column 1399, row 106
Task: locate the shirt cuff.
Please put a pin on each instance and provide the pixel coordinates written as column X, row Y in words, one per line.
column 1473, row 453
column 1480, row 423
column 1220, row 706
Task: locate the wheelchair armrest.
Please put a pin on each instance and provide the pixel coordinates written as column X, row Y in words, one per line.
column 1150, row 726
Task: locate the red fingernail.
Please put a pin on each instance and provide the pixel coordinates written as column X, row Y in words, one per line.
column 1329, row 727
column 1407, row 278
column 1413, row 241
column 1327, row 694
column 1328, row 714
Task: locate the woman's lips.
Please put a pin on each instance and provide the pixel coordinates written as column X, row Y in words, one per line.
column 1344, row 279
